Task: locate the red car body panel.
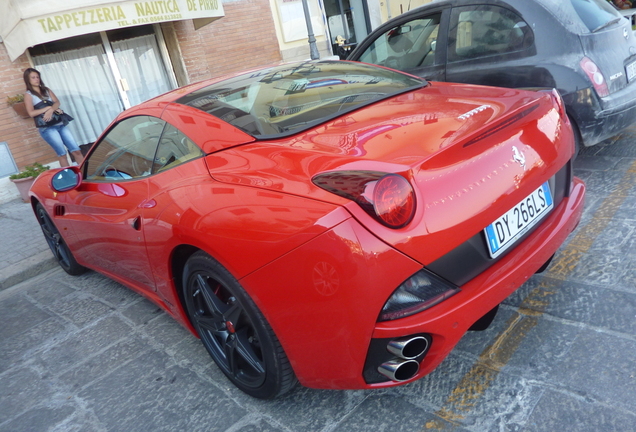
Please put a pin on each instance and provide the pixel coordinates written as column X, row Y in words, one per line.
column 324, row 325
column 317, row 265
column 210, row 133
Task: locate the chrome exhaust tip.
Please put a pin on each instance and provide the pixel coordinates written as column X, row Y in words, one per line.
column 408, row 348
column 399, row 370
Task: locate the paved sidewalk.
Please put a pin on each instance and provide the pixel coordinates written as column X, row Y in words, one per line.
column 23, row 251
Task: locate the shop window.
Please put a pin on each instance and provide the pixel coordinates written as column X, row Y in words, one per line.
column 7, row 164
column 97, row 76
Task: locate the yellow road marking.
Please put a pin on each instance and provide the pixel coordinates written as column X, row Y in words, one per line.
column 475, row 382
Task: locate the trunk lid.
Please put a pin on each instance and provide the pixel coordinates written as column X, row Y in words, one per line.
column 453, row 142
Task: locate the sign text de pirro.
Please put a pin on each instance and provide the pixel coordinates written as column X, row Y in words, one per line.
column 133, row 13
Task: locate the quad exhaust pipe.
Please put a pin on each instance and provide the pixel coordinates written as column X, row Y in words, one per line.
column 399, row 370
column 408, row 348
column 405, row 366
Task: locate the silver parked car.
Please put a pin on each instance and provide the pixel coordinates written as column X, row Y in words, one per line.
column 583, row 48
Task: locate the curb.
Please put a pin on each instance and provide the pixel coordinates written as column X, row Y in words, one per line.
column 26, row 269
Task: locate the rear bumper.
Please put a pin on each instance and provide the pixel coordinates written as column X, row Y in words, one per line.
column 326, row 324
column 598, row 123
column 447, row 322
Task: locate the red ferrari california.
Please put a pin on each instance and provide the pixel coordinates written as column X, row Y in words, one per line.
column 331, row 223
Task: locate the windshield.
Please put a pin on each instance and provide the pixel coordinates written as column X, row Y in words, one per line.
column 596, row 14
column 286, row 99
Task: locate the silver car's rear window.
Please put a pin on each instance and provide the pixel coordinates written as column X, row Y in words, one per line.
column 596, row 14
column 286, row 99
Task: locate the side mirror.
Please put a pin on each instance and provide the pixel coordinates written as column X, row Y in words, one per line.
column 66, row 179
column 433, row 45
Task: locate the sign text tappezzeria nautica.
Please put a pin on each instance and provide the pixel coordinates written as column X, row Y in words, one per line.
column 125, row 15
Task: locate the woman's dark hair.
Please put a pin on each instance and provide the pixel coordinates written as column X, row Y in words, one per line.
column 42, row 91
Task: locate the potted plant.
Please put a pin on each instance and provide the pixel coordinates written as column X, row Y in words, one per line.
column 24, row 179
column 17, row 102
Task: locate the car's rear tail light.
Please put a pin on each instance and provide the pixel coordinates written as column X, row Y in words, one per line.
column 596, row 76
column 419, row 292
column 393, row 200
column 388, row 198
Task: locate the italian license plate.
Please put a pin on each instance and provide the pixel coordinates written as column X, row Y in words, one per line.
column 502, row 233
column 630, row 70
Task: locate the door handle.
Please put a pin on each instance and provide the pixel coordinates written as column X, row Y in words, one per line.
column 136, row 223
column 148, row 204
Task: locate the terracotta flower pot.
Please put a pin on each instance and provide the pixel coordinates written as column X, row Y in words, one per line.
column 23, row 185
column 20, row 108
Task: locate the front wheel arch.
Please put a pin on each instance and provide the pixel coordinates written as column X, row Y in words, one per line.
column 56, row 243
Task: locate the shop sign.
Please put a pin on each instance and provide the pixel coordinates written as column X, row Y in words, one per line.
column 33, row 30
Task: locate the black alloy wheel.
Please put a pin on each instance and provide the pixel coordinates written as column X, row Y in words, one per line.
column 60, row 250
column 234, row 331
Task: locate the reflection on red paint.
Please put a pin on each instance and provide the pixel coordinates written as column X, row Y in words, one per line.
column 111, row 189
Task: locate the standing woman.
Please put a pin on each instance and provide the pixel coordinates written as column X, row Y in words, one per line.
column 57, row 135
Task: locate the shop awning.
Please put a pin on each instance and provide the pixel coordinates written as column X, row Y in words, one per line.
column 25, row 23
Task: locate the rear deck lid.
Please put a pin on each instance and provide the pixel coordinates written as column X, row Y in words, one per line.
column 468, row 150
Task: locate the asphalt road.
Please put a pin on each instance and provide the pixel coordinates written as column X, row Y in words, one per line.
column 86, row 354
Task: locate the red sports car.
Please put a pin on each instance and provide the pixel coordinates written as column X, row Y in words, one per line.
column 333, row 223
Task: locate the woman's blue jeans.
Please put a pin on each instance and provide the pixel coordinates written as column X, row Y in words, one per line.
column 59, row 137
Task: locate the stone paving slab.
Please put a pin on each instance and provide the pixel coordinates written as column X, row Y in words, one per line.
column 23, row 250
column 559, row 412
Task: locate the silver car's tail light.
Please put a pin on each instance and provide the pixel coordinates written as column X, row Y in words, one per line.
column 419, row 292
column 596, row 76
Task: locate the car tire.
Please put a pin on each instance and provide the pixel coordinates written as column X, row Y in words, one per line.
column 578, row 141
column 234, row 331
column 58, row 246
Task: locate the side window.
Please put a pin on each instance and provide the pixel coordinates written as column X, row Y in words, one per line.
column 174, row 149
column 127, row 151
column 407, row 46
column 486, row 30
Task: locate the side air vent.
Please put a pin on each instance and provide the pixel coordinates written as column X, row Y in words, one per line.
column 59, row 210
